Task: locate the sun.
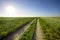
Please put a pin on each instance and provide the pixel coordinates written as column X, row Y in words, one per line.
column 10, row 9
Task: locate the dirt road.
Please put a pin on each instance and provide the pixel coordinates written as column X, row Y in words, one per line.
column 17, row 34
column 39, row 33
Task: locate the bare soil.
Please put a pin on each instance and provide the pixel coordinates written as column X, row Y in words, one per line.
column 39, row 32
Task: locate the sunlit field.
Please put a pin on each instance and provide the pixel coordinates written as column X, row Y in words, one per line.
column 51, row 27
column 29, row 19
column 9, row 25
column 25, row 28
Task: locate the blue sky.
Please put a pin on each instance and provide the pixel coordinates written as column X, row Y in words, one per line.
column 32, row 7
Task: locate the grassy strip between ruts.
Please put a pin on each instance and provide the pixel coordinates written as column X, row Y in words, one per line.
column 8, row 26
column 51, row 33
column 28, row 34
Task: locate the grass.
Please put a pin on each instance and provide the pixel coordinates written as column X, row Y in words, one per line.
column 51, row 27
column 9, row 25
column 28, row 34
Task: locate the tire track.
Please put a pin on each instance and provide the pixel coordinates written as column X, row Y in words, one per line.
column 39, row 32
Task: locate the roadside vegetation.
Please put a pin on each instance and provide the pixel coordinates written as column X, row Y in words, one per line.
column 10, row 25
column 29, row 33
column 51, row 27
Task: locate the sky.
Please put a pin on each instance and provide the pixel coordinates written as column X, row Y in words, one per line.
column 29, row 8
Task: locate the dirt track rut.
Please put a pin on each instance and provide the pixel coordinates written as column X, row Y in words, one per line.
column 39, row 32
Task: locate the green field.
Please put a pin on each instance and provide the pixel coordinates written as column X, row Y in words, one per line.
column 50, row 27
column 9, row 25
